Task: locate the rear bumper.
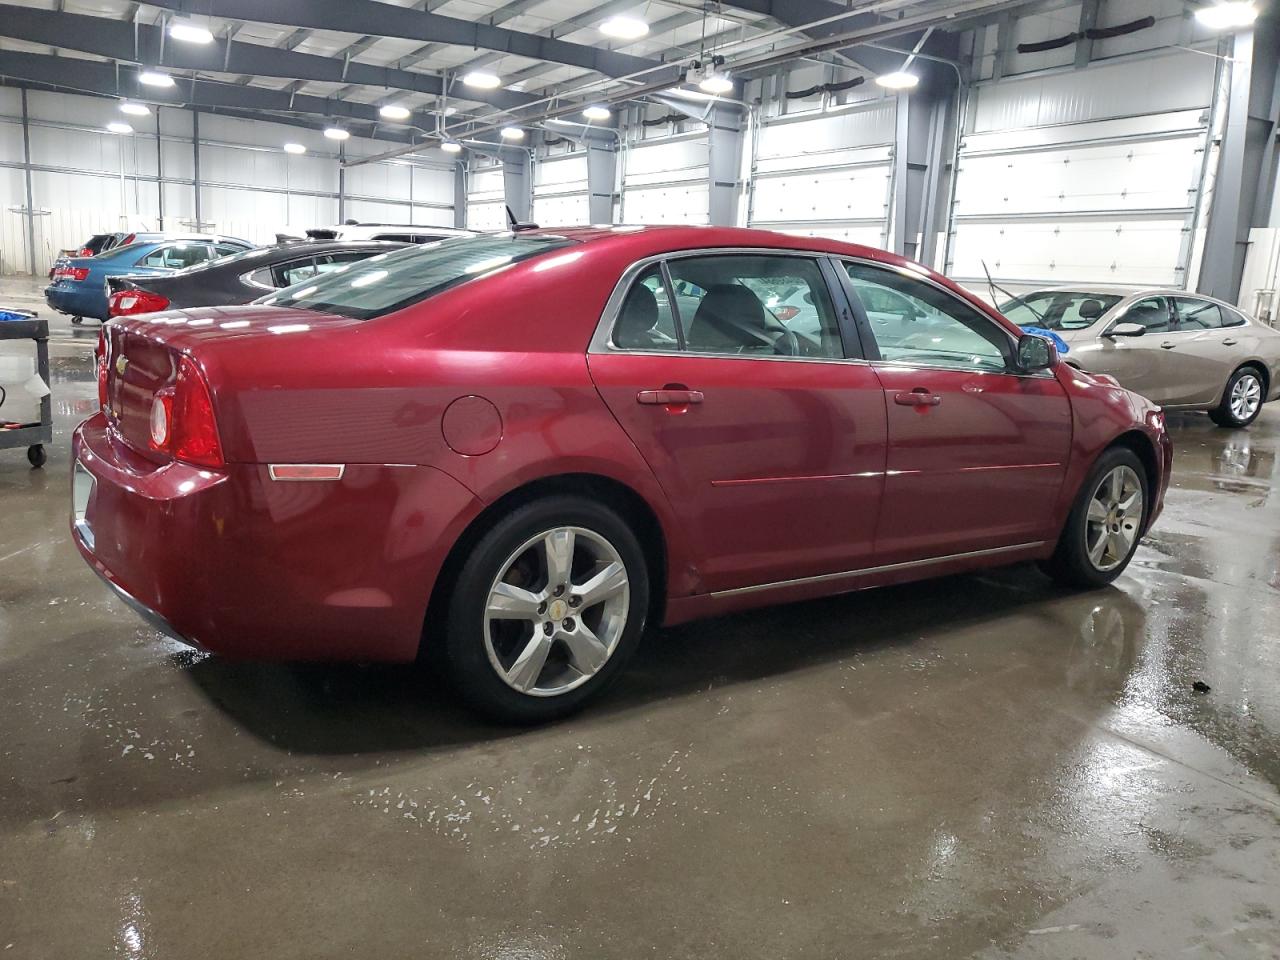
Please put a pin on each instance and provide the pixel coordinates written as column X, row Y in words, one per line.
column 234, row 563
column 77, row 301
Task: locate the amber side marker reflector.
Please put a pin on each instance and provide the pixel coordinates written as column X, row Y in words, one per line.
column 306, row 471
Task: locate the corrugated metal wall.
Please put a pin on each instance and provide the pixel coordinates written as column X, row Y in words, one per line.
column 87, row 181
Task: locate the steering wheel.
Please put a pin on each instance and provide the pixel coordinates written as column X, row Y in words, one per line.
column 787, row 345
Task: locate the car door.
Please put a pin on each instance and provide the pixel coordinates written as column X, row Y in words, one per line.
column 1146, row 364
column 1203, row 351
column 770, row 445
column 977, row 451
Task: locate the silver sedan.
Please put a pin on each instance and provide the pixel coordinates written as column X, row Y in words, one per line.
column 1182, row 350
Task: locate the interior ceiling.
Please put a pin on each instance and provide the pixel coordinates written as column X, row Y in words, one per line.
column 304, row 69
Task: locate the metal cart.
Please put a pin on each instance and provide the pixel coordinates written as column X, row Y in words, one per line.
column 33, row 436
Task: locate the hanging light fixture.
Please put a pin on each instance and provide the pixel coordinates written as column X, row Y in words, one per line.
column 1231, row 15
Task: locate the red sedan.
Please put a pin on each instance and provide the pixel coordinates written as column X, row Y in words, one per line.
column 527, row 446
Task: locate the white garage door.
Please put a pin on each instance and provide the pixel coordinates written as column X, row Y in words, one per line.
column 560, row 194
column 666, row 182
column 1088, row 176
column 486, row 199
column 809, row 180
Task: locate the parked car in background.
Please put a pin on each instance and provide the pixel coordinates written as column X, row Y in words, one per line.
column 1183, row 350
column 79, row 286
column 400, row 232
column 98, row 243
column 478, row 445
column 240, row 277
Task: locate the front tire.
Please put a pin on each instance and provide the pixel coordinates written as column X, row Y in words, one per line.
column 1105, row 523
column 1241, row 401
column 548, row 607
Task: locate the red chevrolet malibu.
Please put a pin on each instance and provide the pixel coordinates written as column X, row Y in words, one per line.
column 524, row 447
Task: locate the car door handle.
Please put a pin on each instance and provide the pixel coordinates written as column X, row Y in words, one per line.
column 919, row 397
column 1228, row 343
column 1168, row 345
column 670, row 397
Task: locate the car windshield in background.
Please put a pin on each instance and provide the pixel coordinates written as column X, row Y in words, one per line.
column 1059, row 309
column 391, row 281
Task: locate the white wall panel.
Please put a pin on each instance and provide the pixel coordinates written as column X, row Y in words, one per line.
column 561, row 196
column 676, row 203
column 666, row 182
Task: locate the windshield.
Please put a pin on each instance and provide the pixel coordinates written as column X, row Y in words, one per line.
column 391, row 281
column 1059, row 309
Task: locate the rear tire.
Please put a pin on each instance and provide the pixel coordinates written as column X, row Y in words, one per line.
column 1241, row 401
column 1105, row 523
column 573, row 583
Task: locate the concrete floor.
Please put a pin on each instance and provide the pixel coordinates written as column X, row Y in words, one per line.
column 982, row 766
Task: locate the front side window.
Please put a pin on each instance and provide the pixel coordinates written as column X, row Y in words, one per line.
column 755, row 305
column 388, row 282
column 1152, row 313
column 919, row 324
column 1196, row 314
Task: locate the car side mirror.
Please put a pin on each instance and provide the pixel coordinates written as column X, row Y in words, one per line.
column 1036, row 353
column 1127, row 330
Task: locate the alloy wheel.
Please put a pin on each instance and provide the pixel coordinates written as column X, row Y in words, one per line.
column 1246, row 396
column 1114, row 518
column 556, row 611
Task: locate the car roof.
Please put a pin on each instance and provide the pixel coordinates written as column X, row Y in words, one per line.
column 1131, row 292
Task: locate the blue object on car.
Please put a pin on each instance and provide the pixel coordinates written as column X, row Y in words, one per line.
column 1049, row 335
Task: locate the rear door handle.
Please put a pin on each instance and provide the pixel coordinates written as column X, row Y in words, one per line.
column 919, row 397
column 669, row 397
column 1168, row 345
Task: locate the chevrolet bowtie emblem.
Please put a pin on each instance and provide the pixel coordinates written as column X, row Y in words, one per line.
column 121, row 363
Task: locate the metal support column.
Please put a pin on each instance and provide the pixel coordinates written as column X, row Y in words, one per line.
column 159, row 174
column 725, row 134
column 923, row 119
column 1240, row 163
column 459, row 195
column 602, row 177
column 342, row 182
column 195, row 156
column 31, row 199
column 517, row 182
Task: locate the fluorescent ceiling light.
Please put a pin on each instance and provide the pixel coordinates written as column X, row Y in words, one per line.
column 451, row 146
column 189, row 31
column 294, row 148
column 1227, row 16
column 393, row 111
column 117, row 126
column 624, row 28
column 898, row 80
column 716, row 83
column 337, row 133
column 482, row 80
column 155, row 78
column 512, row 133
column 596, row 112
column 135, row 109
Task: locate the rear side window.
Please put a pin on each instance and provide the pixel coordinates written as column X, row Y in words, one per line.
column 389, row 282
column 764, row 305
column 1194, row 314
column 177, row 256
column 295, row 271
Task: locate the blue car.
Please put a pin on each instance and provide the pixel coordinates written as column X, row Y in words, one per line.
column 79, row 286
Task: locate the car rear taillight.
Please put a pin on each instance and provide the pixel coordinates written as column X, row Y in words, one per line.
column 785, row 313
column 182, row 420
column 127, row 240
column 100, row 361
column 125, row 303
column 75, row 273
column 84, row 252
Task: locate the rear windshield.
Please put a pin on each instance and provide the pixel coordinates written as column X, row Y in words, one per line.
column 1059, row 309
column 391, row 281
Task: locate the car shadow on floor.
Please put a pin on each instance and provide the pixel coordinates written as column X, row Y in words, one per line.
column 349, row 709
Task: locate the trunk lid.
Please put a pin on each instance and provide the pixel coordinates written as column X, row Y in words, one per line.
column 142, row 355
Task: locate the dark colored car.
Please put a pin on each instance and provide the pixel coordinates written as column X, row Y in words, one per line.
column 522, row 448
column 79, row 286
column 240, row 277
